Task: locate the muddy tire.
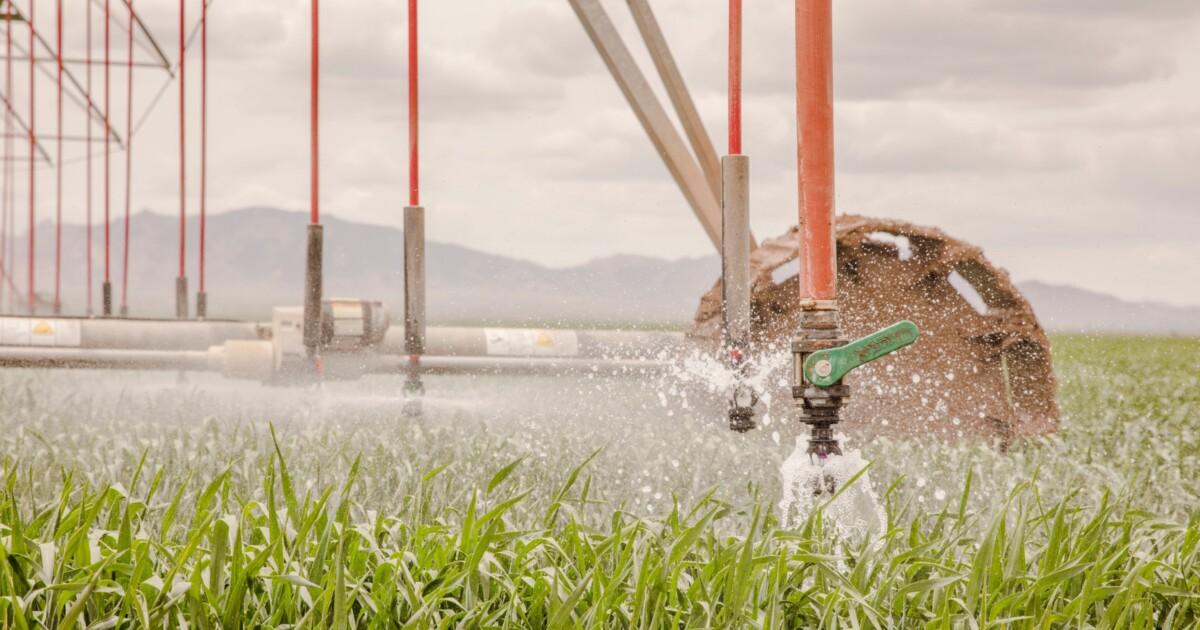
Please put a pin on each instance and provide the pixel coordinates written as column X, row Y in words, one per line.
column 982, row 368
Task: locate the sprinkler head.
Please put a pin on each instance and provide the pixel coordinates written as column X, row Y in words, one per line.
column 742, row 397
column 414, row 388
column 741, row 418
column 821, row 359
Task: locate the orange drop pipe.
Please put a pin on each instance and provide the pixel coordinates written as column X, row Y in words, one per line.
column 814, row 123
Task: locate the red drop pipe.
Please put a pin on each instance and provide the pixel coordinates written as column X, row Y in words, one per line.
column 7, row 255
column 88, row 263
column 107, row 152
column 182, row 144
column 128, row 163
column 58, row 169
column 735, row 77
column 203, row 132
column 314, row 108
column 814, row 121
column 414, row 164
column 32, row 297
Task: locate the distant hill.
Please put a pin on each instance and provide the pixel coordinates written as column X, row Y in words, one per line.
column 256, row 255
column 1064, row 308
column 255, row 261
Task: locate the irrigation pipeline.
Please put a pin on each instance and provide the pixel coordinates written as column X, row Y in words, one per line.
column 314, row 120
column 314, row 252
column 32, row 297
column 107, row 296
column 58, row 168
column 414, row 190
column 59, row 76
column 814, row 116
column 88, row 263
column 128, row 162
column 202, row 295
column 6, row 251
column 181, row 300
column 735, row 77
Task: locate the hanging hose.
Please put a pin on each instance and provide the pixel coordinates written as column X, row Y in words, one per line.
column 32, row 297
column 314, row 122
column 735, row 77
column 6, row 253
column 107, row 297
column 736, row 243
column 414, row 190
column 202, row 295
column 11, row 226
column 181, row 298
column 58, row 172
column 414, row 234
column 88, row 204
column 314, row 252
column 128, row 163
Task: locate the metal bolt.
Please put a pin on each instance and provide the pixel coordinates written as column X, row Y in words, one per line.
column 823, row 368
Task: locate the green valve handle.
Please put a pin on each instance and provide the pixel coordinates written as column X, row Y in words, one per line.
column 824, row 368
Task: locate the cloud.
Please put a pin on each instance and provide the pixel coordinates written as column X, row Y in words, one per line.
column 1060, row 135
column 977, row 50
column 900, row 138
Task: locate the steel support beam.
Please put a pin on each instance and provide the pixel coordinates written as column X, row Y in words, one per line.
column 653, row 117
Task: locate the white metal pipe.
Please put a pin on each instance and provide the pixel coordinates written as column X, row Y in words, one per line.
column 122, row 334
column 34, row 357
column 541, row 343
column 175, row 335
column 519, row 365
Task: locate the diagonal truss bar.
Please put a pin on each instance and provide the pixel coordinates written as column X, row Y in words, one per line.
column 70, row 61
column 650, row 113
column 164, row 63
column 91, row 107
column 86, row 102
column 162, row 90
column 25, row 127
column 681, row 99
column 153, row 48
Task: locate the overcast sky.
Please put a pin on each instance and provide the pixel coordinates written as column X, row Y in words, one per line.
column 1062, row 136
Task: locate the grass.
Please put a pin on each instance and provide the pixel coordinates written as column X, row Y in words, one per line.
column 519, row 503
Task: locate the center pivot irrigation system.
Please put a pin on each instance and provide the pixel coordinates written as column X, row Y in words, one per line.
column 982, row 368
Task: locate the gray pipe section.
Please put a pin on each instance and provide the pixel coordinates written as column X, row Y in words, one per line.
column 414, row 280
column 142, row 334
column 541, row 343
column 146, row 334
column 336, row 365
column 192, row 335
column 313, row 287
column 34, row 357
column 735, row 251
column 430, row 364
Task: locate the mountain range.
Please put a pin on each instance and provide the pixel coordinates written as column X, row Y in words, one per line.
column 255, row 261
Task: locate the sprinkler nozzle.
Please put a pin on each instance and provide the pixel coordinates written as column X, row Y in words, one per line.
column 822, row 358
column 414, row 388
